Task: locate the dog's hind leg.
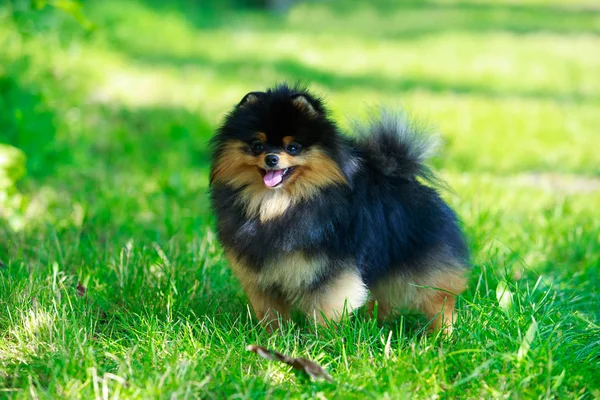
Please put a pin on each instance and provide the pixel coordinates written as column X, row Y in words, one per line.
column 436, row 298
column 345, row 293
column 384, row 308
column 432, row 293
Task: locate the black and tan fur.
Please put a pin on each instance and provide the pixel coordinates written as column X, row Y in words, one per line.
column 350, row 219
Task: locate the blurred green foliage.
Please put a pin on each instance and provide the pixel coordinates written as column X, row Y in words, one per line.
column 12, row 168
column 28, row 14
column 12, row 165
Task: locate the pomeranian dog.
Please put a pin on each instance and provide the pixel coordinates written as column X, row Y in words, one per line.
column 322, row 222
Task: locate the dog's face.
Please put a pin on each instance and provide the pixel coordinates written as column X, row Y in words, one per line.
column 278, row 141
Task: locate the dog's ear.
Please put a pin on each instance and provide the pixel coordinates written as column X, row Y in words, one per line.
column 251, row 98
column 307, row 105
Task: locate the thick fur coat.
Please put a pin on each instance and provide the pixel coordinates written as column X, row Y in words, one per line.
column 318, row 220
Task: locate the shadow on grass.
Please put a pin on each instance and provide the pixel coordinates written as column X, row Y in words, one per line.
column 27, row 121
column 485, row 17
column 415, row 19
column 335, row 81
column 105, row 137
column 126, row 172
column 421, row 17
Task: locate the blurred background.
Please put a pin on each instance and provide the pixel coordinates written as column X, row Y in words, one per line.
column 106, row 106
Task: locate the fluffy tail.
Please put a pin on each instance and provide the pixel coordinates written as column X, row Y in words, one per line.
column 395, row 146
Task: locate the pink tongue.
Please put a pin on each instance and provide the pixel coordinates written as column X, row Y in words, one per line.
column 273, row 177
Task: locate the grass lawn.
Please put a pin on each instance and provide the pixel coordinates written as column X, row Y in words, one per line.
column 112, row 284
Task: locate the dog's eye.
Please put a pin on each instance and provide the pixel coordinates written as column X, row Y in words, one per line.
column 293, row 148
column 257, row 147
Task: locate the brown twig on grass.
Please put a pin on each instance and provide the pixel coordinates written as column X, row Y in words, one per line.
column 310, row 368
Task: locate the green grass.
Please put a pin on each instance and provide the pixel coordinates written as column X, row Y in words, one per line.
column 114, row 124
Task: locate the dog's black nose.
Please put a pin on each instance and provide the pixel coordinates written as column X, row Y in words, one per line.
column 271, row 160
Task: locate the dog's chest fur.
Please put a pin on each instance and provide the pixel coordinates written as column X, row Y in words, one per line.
column 292, row 273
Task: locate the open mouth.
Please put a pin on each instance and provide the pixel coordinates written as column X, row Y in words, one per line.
column 275, row 177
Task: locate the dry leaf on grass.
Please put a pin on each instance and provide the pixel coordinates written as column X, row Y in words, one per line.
column 310, row 368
